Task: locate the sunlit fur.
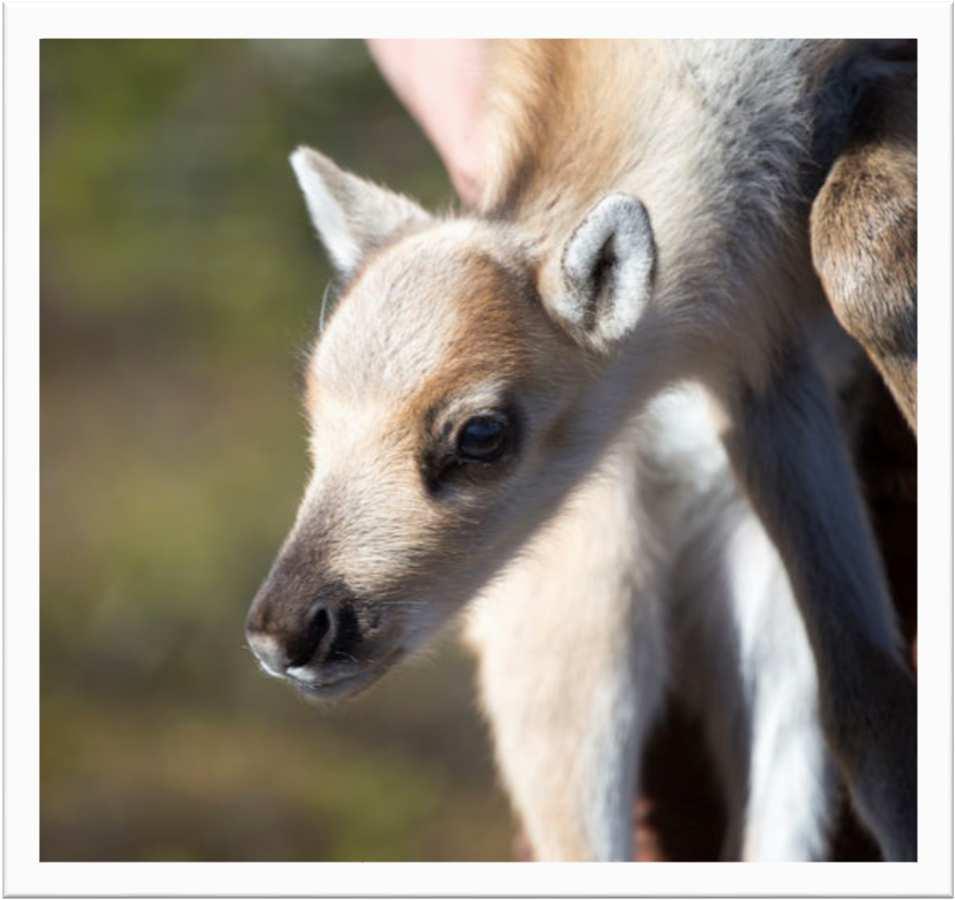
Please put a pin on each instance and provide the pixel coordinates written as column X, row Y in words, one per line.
column 443, row 318
column 655, row 575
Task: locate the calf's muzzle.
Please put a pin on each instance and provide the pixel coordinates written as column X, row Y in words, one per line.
column 297, row 618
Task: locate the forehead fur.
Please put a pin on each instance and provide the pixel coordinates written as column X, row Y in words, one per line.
column 436, row 308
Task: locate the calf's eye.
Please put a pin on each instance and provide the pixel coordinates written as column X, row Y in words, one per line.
column 482, row 438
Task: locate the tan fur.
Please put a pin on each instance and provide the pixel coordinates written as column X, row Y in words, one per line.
column 544, row 95
column 550, row 636
column 645, row 224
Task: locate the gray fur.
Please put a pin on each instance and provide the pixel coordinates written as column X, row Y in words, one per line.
column 607, row 264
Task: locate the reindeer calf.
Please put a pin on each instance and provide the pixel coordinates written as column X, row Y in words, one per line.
column 504, row 381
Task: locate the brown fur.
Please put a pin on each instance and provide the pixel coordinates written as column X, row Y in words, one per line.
column 863, row 229
column 491, row 314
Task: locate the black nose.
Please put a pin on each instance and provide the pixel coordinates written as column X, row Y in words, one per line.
column 282, row 645
column 303, row 647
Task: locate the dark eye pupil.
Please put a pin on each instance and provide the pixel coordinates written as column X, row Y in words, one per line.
column 481, row 438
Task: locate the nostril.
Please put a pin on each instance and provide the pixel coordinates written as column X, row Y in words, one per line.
column 304, row 648
column 347, row 636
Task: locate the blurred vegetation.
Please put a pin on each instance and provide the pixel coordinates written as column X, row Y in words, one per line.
column 180, row 281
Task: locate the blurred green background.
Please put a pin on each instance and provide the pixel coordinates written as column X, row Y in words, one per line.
column 180, row 283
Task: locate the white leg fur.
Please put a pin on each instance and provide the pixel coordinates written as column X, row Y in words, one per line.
column 743, row 663
column 789, row 798
column 742, row 660
column 572, row 667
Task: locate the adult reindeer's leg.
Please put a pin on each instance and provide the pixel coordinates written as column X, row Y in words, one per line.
column 788, row 450
column 863, row 230
column 572, row 666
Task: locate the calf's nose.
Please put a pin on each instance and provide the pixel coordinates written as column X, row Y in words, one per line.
column 283, row 645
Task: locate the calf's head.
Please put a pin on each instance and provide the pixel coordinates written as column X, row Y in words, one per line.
column 444, row 396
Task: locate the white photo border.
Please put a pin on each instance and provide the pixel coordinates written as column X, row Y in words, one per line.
column 25, row 24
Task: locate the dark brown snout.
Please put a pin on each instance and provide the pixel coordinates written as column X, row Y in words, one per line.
column 298, row 620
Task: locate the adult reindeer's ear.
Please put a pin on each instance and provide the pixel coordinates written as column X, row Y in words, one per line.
column 606, row 273
column 351, row 215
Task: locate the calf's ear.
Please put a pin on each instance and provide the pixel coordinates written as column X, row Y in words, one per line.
column 351, row 215
column 606, row 273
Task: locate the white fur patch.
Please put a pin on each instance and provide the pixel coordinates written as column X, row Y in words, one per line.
column 325, row 211
column 303, row 674
column 351, row 215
